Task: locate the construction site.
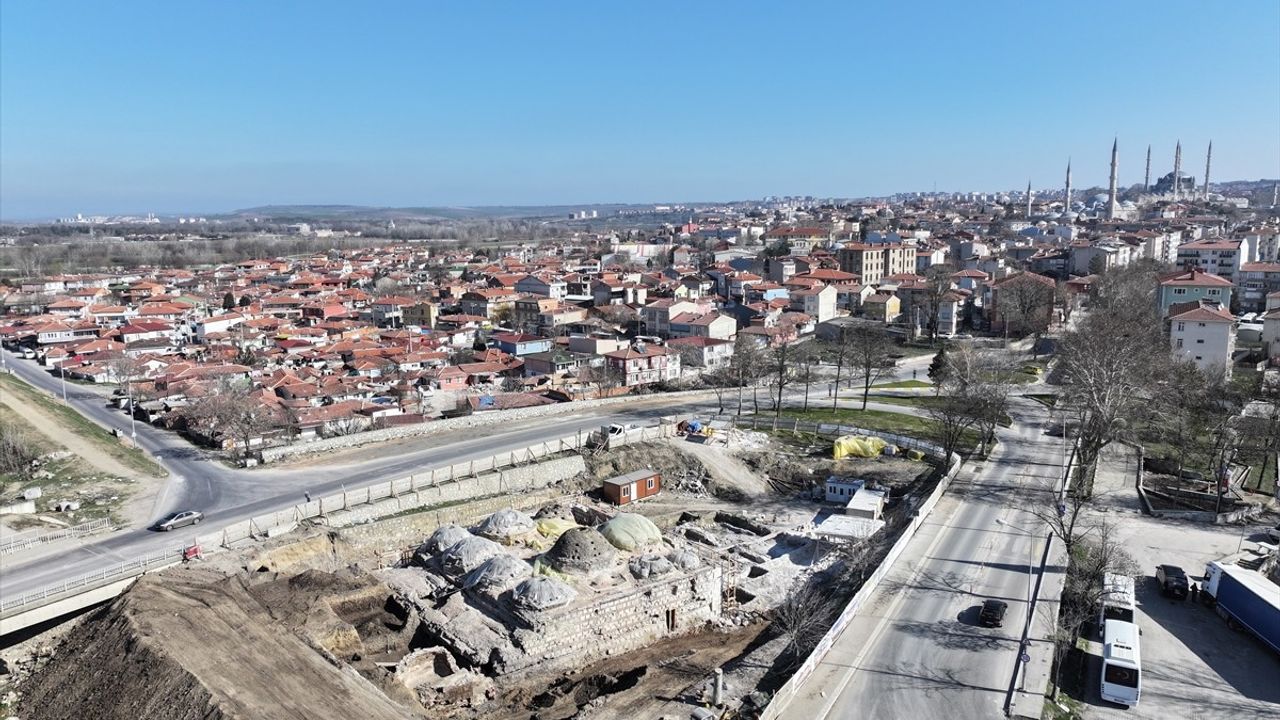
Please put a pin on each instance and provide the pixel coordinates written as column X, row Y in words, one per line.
column 672, row 577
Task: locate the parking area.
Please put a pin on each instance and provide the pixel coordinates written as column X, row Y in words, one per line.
column 1194, row 666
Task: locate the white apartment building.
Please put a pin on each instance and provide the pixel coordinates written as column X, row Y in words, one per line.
column 1205, row 335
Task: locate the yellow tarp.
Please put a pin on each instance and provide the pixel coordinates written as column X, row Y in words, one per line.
column 857, row 446
column 553, row 527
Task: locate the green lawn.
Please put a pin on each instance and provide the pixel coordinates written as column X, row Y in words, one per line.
column 900, row 384
column 82, row 426
column 1046, row 400
column 921, row 401
column 914, row 350
column 883, row 421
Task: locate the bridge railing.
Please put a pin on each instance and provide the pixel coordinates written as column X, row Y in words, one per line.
column 32, row 538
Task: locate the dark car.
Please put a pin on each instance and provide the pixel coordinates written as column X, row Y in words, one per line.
column 1172, row 581
column 172, row 521
column 992, row 613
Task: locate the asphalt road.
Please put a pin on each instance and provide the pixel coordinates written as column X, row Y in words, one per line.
column 227, row 495
column 917, row 650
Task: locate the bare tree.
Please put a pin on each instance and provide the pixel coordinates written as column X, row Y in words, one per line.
column 781, row 373
column 806, row 362
column 937, row 283
column 803, row 618
column 746, row 365
column 870, row 349
column 231, row 410
column 1110, row 363
column 953, row 414
column 1026, row 302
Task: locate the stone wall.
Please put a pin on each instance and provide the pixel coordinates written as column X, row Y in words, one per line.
column 513, row 481
column 622, row 623
column 393, row 537
column 493, row 417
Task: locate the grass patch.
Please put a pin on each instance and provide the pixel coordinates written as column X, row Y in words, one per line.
column 923, row 401
column 82, row 426
column 903, row 384
column 879, row 420
column 1045, row 399
column 913, row 350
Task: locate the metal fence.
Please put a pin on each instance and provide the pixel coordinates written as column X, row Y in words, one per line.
column 96, row 579
column 31, row 538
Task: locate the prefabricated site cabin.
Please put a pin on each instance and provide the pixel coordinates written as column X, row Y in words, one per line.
column 633, row 486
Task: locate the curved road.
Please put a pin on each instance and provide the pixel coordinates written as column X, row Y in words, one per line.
column 227, row 495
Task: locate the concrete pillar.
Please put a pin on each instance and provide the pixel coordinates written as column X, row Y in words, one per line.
column 717, row 696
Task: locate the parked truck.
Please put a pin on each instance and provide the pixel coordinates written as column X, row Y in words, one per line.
column 1246, row 599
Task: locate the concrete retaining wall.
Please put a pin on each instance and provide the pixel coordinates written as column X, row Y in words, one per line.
column 396, row 536
column 513, row 481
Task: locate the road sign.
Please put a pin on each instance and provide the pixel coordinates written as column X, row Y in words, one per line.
column 1025, row 658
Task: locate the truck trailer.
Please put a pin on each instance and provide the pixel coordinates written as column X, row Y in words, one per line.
column 1246, row 599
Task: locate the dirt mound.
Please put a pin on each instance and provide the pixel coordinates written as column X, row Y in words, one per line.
column 192, row 645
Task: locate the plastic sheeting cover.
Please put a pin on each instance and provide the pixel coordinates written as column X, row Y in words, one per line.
column 542, row 593
column 857, row 446
column 628, row 531
column 468, row 555
column 445, row 537
column 498, row 574
column 504, row 524
column 646, row 565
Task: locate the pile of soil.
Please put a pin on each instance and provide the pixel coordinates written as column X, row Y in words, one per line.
column 196, row 644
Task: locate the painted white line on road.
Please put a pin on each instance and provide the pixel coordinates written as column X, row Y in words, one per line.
column 890, row 614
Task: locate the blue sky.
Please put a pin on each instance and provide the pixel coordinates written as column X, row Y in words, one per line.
column 212, row 106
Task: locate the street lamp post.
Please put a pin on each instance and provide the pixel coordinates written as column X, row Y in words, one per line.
column 62, row 371
column 1023, row 657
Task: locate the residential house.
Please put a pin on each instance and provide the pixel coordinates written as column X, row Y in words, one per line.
column 1223, row 258
column 1204, row 333
column 1257, row 280
column 644, row 364
column 818, row 303
column 882, row 307
column 1192, row 285
column 703, row 352
column 710, row 325
column 875, row 261
column 520, row 343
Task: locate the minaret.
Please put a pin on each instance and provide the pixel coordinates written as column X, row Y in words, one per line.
column 1067, row 207
column 1177, row 168
column 1208, row 158
column 1113, row 195
column 1146, row 181
column 1275, row 194
column 1028, row 199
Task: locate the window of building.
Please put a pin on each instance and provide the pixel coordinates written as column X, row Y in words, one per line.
column 626, row 491
column 1182, row 326
column 1200, row 341
column 649, row 484
column 1179, row 342
column 1179, row 291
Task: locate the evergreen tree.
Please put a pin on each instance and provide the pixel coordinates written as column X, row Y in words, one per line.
column 940, row 368
column 228, row 301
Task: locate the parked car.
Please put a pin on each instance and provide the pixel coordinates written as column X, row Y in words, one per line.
column 173, row 521
column 992, row 613
column 1172, row 581
column 1273, row 534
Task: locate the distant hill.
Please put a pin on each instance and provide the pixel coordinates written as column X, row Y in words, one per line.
column 363, row 212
